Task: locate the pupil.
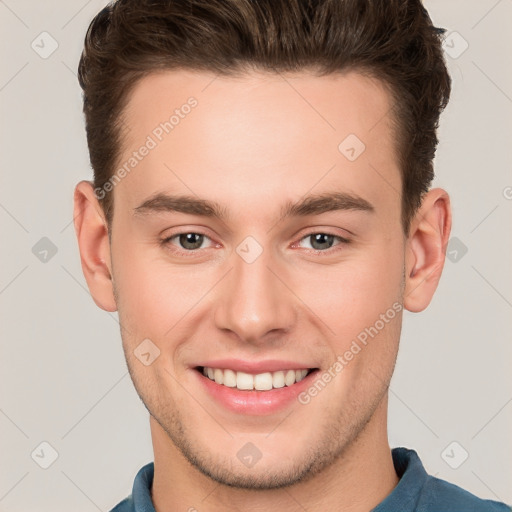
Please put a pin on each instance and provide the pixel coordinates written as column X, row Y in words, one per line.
column 187, row 239
column 321, row 239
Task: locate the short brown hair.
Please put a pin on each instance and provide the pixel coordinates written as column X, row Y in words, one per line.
column 391, row 40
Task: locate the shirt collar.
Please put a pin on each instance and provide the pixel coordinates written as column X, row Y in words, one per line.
column 413, row 477
column 404, row 496
column 141, row 492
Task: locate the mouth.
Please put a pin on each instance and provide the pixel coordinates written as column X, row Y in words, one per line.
column 265, row 381
column 254, row 394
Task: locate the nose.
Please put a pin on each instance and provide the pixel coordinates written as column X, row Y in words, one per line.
column 254, row 302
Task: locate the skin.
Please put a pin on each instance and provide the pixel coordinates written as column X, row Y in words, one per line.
column 252, row 144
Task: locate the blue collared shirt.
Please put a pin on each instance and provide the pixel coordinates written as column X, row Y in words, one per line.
column 416, row 491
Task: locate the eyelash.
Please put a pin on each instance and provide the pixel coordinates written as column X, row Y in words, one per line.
column 193, row 252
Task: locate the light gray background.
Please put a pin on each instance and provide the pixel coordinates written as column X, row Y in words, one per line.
column 62, row 370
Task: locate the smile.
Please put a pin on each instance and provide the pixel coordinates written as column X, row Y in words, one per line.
column 254, row 394
column 259, row 382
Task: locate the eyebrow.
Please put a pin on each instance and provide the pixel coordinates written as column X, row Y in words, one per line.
column 314, row 204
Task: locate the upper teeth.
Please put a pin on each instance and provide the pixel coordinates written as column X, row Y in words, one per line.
column 260, row 381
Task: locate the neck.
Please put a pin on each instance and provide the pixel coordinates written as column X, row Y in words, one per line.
column 356, row 482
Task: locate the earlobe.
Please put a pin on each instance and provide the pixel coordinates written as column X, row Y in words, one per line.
column 92, row 235
column 426, row 249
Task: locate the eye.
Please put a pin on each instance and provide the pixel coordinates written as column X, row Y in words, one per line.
column 323, row 242
column 189, row 243
column 186, row 242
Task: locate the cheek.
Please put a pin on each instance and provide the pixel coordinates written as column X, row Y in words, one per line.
column 143, row 289
column 152, row 294
column 351, row 296
column 377, row 284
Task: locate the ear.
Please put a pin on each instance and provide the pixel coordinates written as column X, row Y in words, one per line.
column 92, row 234
column 426, row 249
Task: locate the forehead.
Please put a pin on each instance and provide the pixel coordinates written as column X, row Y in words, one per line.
column 251, row 138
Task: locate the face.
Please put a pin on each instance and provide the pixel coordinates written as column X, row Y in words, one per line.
column 263, row 286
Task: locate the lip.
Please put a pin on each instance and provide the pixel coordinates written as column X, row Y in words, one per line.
column 255, row 367
column 254, row 403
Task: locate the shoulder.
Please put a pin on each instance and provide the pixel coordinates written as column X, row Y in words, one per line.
column 140, row 498
column 443, row 496
column 420, row 492
column 124, row 506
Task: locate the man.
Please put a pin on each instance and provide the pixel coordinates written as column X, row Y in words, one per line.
column 260, row 216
